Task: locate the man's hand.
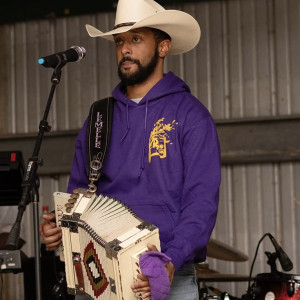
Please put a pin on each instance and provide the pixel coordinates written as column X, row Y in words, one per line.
column 50, row 233
column 169, row 267
column 170, row 271
column 142, row 285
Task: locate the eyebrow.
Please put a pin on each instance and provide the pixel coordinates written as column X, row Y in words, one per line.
column 133, row 31
column 137, row 30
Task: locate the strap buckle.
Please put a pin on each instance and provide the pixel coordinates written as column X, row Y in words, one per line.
column 94, row 175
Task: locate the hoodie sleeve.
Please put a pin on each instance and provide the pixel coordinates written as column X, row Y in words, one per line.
column 200, row 196
column 78, row 177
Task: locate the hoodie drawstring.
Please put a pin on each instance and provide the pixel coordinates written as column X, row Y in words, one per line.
column 144, row 143
column 142, row 166
column 127, row 123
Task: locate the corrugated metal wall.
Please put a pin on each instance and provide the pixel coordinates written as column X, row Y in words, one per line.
column 246, row 66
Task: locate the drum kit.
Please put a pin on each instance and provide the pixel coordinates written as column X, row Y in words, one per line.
column 266, row 286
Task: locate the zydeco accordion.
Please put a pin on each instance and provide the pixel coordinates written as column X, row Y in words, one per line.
column 101, row 243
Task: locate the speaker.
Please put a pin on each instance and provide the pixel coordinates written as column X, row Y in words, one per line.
column 11, row 177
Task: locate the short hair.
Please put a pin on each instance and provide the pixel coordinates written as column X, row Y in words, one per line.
column 159, row 35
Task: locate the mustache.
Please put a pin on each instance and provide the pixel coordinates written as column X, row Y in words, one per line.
column 129, row 59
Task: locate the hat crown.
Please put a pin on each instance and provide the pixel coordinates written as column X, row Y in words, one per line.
column 132, row 11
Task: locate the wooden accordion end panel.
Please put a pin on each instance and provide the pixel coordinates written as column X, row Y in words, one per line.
column 102, row 240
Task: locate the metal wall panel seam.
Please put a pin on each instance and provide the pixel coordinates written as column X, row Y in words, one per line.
column 240, row 57
column 277, row 199
column 296, row 199
column 66, row 79
column 255, row 50
column 208, row 59
column 293, row 213
column 273, row 70
column 235, row 59
column 52, row 114
column 225, row 40
column 37, row 88
column 282, row 44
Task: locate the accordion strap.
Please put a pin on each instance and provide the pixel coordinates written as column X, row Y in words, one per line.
column 98, row 137
column 79, row 273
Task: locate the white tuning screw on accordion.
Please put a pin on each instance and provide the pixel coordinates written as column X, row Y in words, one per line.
column 102, row 241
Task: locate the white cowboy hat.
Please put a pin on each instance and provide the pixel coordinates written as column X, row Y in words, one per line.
column 183, row 29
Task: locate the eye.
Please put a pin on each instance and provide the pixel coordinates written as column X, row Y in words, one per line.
column 118, row 41
column 136, row 39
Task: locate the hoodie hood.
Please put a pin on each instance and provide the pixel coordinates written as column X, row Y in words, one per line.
column 167, row 86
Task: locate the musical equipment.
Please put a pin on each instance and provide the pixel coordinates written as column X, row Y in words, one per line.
column 280, row 286
column 283, row 258
column 102, row 240
column 217, row 294
column 219, row 250
column 11, row 174
column 75, row 53
column 205, row 295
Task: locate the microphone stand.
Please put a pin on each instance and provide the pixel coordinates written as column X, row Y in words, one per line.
column 30, row 182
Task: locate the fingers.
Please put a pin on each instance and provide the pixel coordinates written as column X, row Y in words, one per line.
column 143, row 278
column 146, row 295
column 52, row 237
column 141, row 286
column 50, row 230
column 52, row 245
column 50, row 233
column 151, row 247
column 49, row 217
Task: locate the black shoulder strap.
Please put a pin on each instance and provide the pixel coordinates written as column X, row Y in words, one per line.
column 98, row 135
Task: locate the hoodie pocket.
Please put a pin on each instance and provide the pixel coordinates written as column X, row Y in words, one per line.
column 159, row 216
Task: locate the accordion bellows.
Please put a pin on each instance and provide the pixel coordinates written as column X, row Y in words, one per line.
column 102, row 240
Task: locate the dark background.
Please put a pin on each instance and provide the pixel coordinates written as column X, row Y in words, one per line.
column 24, row 10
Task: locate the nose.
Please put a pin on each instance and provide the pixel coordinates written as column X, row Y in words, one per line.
column 126, row 48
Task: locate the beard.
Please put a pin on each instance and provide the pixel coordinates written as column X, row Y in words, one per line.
column 142, row 73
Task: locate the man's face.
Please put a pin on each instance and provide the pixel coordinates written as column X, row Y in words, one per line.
column 137, row 55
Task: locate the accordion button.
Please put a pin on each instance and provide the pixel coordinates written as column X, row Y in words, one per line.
column 72, row 201
column 74, row 196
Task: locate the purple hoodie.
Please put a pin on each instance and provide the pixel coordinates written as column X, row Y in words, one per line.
column 164, row 163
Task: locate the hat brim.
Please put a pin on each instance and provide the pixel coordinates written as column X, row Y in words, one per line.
column 183, row 29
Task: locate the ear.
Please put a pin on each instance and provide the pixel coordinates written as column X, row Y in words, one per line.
column 164, row 47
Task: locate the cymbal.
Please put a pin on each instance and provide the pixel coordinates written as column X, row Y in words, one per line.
column 219, row 250
column 204, row 273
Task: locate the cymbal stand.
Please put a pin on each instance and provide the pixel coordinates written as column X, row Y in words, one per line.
column 203, row 291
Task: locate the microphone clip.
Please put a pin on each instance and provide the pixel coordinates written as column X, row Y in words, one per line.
column 56, row 75
column 272, row 261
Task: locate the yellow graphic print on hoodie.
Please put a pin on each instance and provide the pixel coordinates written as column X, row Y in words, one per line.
column 159, row 139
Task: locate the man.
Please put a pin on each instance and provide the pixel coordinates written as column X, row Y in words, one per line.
column 163, row 159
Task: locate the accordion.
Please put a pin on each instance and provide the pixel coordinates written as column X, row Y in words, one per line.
column 102, row 240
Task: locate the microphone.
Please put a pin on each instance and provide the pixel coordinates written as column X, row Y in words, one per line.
column 284, row 260
column 75, row 53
